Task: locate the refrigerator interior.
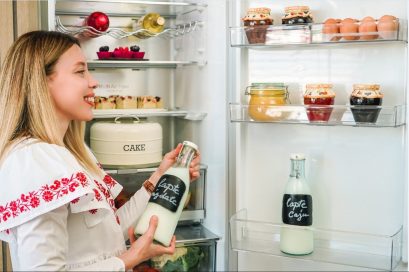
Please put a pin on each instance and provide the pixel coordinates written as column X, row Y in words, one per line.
column 358, row 175
column 186, row 71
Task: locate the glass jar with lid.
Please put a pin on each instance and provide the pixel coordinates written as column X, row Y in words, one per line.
column 264, row 97
column 362, row 98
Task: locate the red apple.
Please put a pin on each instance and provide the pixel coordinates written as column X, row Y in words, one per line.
column 98, row 20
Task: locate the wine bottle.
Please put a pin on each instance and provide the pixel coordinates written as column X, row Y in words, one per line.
column 296, row 237
column 169, row 197
column 152, row 22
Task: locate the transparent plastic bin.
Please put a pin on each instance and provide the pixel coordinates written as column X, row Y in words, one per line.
column 381, row 252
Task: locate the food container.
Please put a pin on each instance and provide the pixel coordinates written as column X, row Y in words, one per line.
column 297, row 15
column 364, row 101
column 126, row 143
column 318, row 97
column 263, row 98
column 256, row 22
column 195, row 251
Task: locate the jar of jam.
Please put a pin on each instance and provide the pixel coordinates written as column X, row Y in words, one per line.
column 318, row 97
column 365, row 95
column 296, row 15
column 263, row 99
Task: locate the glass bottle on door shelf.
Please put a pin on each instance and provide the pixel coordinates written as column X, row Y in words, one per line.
column 169, row 197
column 296, row 237
column 152, row 22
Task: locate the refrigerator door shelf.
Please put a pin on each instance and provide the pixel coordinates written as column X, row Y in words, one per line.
column 310, row 34
column 339, row 115
column 381, row 252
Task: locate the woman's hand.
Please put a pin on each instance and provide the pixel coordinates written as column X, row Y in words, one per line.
column 143, row 248
column 169, row 159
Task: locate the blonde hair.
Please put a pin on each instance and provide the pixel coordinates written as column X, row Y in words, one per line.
column 26, row 106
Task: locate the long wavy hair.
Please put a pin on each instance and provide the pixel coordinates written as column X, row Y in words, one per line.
column 26, row 106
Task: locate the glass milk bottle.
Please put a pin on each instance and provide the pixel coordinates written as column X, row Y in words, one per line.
column 169, row 197
column 296, row 237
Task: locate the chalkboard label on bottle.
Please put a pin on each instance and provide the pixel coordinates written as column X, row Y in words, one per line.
column 168, row 192
column 297, row 210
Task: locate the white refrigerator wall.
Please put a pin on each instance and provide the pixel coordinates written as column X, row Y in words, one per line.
column 357, row 175
column 197, row 88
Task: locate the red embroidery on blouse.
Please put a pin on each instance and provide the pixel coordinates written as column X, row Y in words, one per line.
column 33, row 199
column 107, row 193
column 109, row 181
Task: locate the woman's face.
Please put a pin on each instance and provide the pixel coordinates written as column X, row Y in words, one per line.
column 72, row 87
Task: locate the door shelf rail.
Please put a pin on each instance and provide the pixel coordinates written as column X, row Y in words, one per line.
column 119, row 33
column 192, row 116
column 380, row 252
column 309, row 34
column 339, row 115
column 135, row 64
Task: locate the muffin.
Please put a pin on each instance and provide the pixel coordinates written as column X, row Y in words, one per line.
column 126, row 102
column 256, row 22
column 104, row 103
column 297, row 15
column 150, row 102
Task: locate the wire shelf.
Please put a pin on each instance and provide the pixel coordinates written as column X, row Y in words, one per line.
column 118, row 33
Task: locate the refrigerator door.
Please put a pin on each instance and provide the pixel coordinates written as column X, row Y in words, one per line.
column 357, row 171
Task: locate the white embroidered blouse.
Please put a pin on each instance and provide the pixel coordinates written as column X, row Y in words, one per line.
column 57, row 216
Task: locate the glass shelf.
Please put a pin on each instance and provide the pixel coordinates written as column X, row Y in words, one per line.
column 381, row 252
column 132, row 178
column 192, row 116
column 134, row 64
column 307, row 35
column 392, row 116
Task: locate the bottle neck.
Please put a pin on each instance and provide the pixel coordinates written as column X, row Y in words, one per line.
column 185, row 157
column 297, row 169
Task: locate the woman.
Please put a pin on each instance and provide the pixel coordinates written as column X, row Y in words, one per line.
column 56, row 204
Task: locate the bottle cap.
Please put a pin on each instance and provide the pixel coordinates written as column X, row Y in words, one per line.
column 190, row 144
column 297, row 156
column 160, row 21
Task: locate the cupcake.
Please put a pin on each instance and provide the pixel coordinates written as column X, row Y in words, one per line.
column 150, row 102
column 126, row 102
column 103, row 103
column 297, row 15
column 256, row 23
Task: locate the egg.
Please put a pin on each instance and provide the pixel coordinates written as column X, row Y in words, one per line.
column 349, row 25
column 387, row 27
column 331, row 29
column 367, row 25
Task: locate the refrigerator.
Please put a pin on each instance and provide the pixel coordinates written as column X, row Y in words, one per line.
column 201, row 66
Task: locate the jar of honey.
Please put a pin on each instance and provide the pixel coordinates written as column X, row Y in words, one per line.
column 263, row 99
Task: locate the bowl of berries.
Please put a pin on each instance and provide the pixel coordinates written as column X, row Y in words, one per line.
column 121, row 53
